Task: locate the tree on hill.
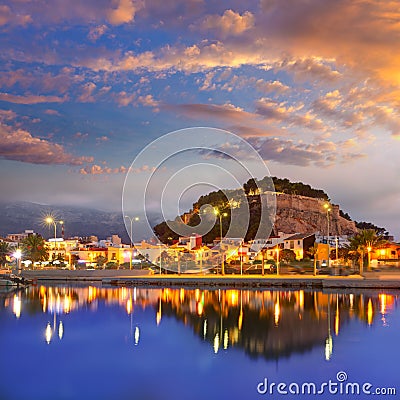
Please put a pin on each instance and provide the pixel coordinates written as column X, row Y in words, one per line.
column 370, row 226
column 284, row 186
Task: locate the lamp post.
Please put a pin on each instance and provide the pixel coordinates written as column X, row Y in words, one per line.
column 131, row 219
column 328, row 210
column 201, row 261
column 18, row 254
column 277, row 259
column 220, row 215
column 49, row 221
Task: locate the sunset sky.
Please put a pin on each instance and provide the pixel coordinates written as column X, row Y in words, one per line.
column 313, row 85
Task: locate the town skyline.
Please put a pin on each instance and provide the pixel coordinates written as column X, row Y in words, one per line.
column 312, row 86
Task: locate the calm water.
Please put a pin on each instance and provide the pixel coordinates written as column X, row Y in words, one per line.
column 106, row 343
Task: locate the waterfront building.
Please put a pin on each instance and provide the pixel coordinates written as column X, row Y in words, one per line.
column 19, row 237
column 257, row 245
column 300, row 244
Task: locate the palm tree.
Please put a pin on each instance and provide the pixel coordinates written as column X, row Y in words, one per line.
column 5, row 251
column 34, row 248
column 365, row 241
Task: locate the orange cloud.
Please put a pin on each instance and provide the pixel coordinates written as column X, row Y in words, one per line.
column 229, row 24
column 20, row 145
column 31, row 99
column 123, row 13
column 99, row 170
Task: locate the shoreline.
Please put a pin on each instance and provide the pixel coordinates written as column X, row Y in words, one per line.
column 370, row 280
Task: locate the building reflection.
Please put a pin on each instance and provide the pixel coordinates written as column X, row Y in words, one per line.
column 265, row 323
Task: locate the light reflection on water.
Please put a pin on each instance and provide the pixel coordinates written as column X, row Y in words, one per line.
column 220, row 331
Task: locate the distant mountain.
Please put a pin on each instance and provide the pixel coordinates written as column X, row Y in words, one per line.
column 16, row 217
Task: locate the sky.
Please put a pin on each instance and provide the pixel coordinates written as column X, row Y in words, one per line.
column 312, row 85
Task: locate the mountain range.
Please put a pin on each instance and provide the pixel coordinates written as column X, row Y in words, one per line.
column 78, row 221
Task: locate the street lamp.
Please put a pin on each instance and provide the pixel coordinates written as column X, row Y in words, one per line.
column 17, row 255
column 328, row 210
column 51, row 220
column 277, row 259
column 220, row 215
column 131, row 219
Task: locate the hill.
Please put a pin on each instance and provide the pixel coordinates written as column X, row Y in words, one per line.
column 299, row 209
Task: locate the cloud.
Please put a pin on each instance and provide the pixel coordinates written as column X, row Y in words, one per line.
column 271, row 86
column 87, row 93
column 7, row 16
column 99, row 170
column 31, row 99
column 253, row 132
column 123, row 13
column 102, row 139
column 80, row 136
column 96, row 32
column 228, row 24
column 280, row 112
column 52, row 112
column 226, row 112
column 322, row 154
column 309, row 68
column 19, row 145
column 6, row 115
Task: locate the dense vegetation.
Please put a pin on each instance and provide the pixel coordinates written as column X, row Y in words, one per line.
column 283, row 186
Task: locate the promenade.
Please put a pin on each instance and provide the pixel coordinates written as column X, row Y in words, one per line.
column 370, row 280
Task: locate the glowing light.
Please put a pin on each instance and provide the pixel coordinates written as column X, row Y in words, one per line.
column 226, row 339
column 370, row 312
column 129, row 306
column 382, row 298
column 197, row 294
column 182, row 295
column 216, row 343
column 17, row 306
column 204, row 329
column 277, row 312
column 337, row 321
column 234, row 297
column 199, row 308
column 159, row 315
column 60, row 330
column 328, row 348
column 137, row 335
column 48, row 333
column 240, row 322
column 67, row 304
column 301, row 299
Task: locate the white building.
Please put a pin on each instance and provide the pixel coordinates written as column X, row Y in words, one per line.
column 258, row 244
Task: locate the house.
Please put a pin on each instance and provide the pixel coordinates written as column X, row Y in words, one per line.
column 19, row 237
column 257, row 245
column 388, row 253
column 300, row 244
